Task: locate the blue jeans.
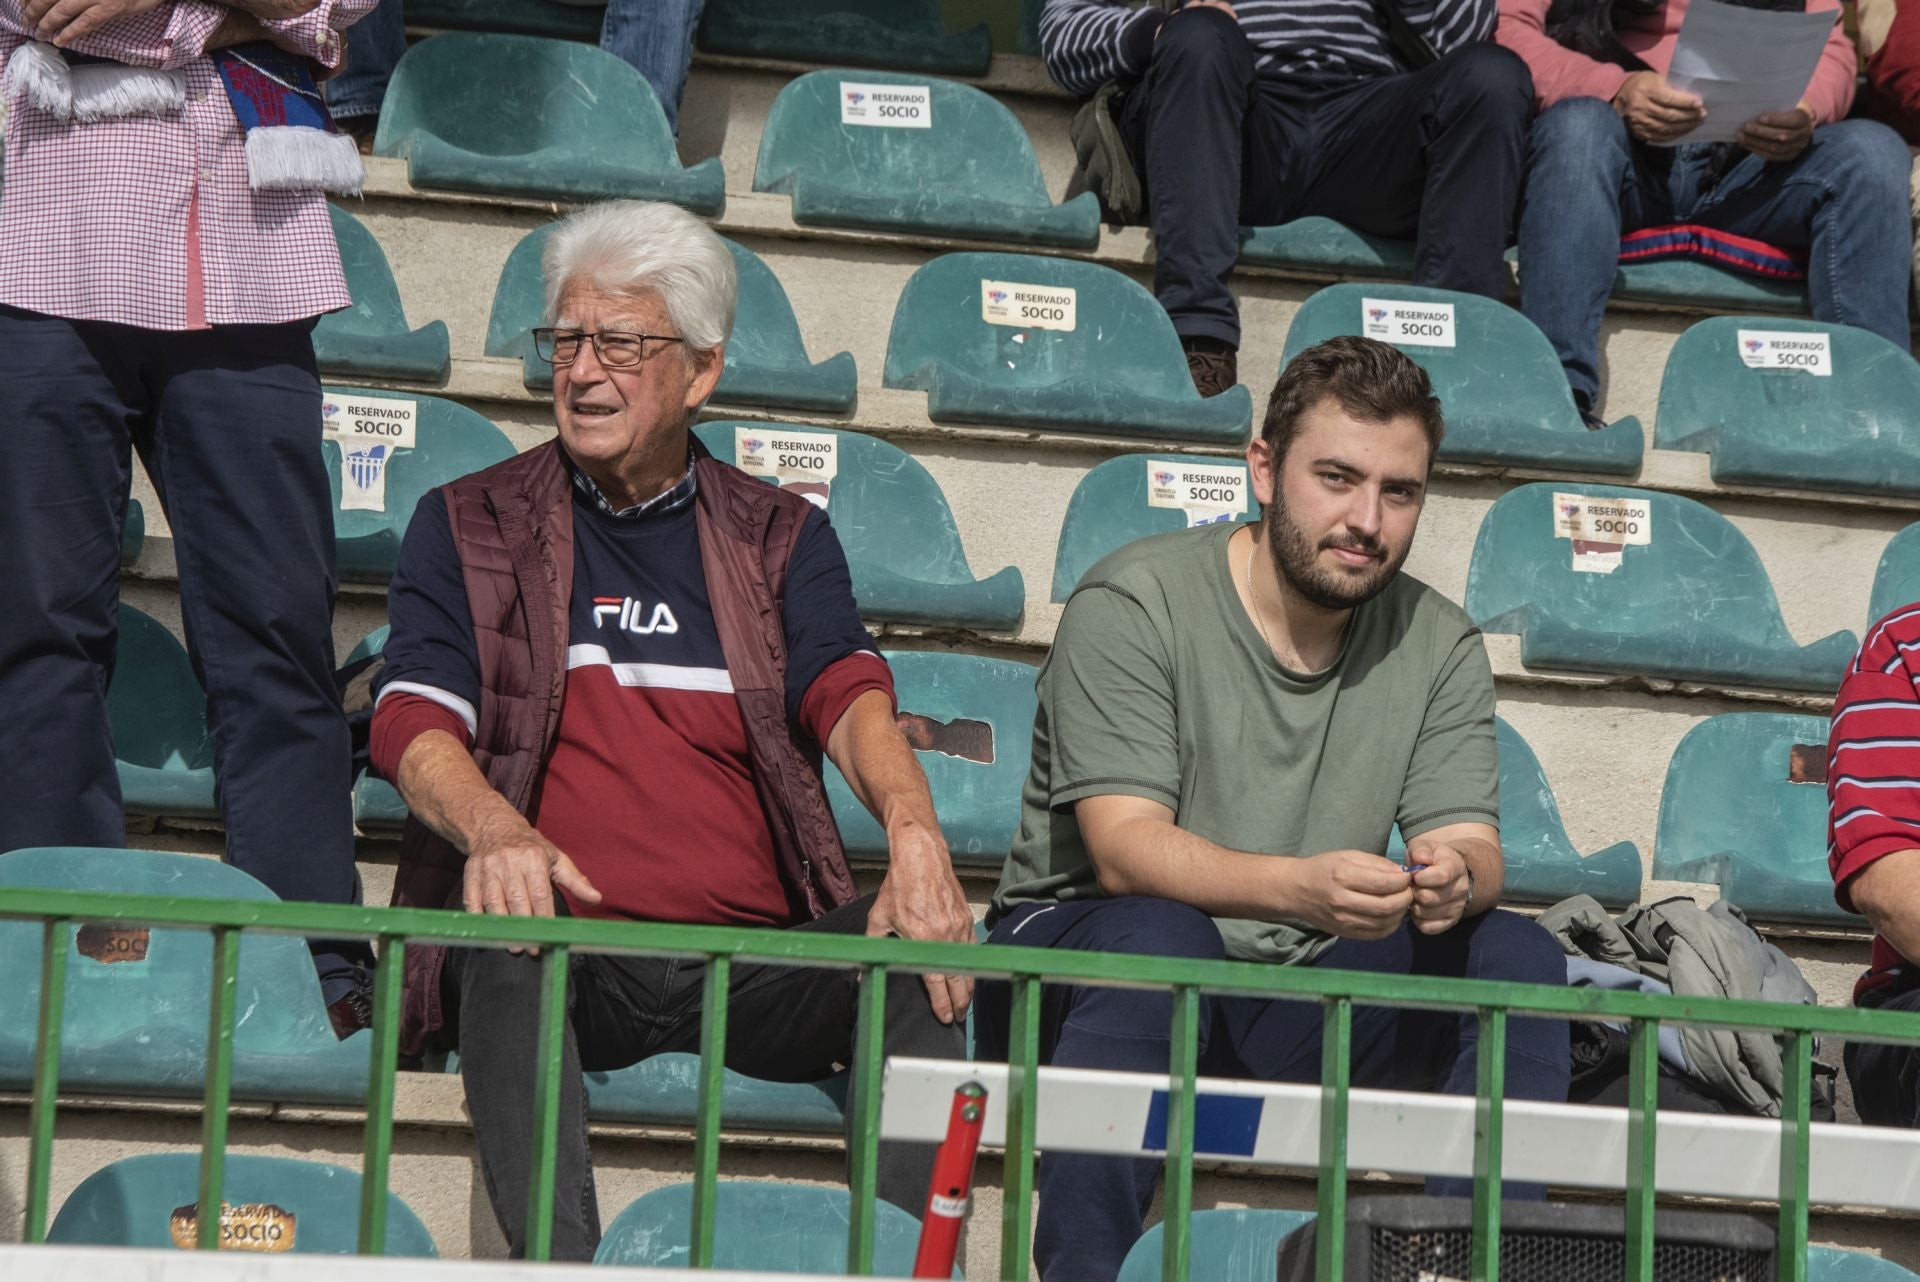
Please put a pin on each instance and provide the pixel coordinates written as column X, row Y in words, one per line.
column 1092, row 1208
column 655, row 37
column 1588, row 182
column 374, row 46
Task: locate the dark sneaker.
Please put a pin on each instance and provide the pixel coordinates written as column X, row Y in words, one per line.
column 361, row 129
column 1213, row 366
column 353, row 1009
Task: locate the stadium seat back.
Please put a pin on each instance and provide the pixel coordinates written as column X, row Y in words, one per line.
column 970, row 721
column 164, row 755
column 782, row 1228
column 1685, row 598
column 892, row 519
column 1833, row 1264
column 665, row 1091
column 1700, row 286
column 1745, row 807
column 886, row 150
column 1322, row 245
column 1051, row 343
column 272, row 1204
column 1238, row 1245
column 1843, row 420
column 371, row 338
column 905, row 34
column 1896, row 581
column 1505, row 397
column 1135, row 495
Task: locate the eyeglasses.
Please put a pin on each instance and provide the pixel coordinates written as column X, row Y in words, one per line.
column 616, row 349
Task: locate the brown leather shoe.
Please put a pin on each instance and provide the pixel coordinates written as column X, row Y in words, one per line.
column 352, row 1010
column 1214, row 367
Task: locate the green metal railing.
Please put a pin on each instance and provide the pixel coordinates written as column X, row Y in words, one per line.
column 1026, row 968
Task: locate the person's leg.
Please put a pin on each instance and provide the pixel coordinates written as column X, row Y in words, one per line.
column 1845, row 200
column 1585, row 184
column 1092, row 1208
column 1434, row 154
column 1886, row 1079
column 67, row 402
column 655, row 37
column 233, row 450
column 374, row 46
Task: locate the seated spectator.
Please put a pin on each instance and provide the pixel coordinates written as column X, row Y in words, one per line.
column 1298, row 107
column 613, row 666
column 1231, row 722
column 1873, row 787
column 1601, row 162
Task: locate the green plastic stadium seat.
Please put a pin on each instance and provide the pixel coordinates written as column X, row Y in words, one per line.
column 1831, row 1264
column 1322, row 245
column 970, row 720
column 898, row 532
column 371, row 339
column 450, row 441
column 1691, row 604
column 136, row 1008
column 159, row 715
column 1113, row 505
column 1505, row 397
column 1119, row 370
column 782, row 1228
column 665, row 1091
column 376, row 803
column 1227, row 1246
column 523, row 17
column 1745, row 807
column 150, row 1201
column 1698, row 286
column 969, row 171
column 133, row 533
column 766, row 359
column 530, row 117
column 904, row 34
column 1543, row 865
column 1850, row 430
column 1897, row 580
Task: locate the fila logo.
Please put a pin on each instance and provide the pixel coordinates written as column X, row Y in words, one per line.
column 627, row 611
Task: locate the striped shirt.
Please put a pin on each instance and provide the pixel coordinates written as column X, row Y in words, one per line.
column 1873, row 766
column 1088, row 42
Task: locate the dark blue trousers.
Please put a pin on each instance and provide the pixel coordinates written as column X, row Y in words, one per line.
column 1092, row 1208
column 227, row 424
column 1886, row 1079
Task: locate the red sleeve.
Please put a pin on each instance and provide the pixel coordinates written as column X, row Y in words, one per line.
column 398, row 721
column 1873, row 761
column 1894, row 68
column 835, row 689
column 1838, row 74
column 1558, row 72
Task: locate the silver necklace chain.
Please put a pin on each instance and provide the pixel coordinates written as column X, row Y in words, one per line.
column 1253, row 602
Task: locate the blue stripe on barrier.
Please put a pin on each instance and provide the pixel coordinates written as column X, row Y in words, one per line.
column 1223, row 1125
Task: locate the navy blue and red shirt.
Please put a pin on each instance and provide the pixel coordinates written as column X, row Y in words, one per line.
column 1873, row 768
column 649, row 787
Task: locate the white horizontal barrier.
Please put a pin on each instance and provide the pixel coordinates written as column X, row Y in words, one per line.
column 1411, row 1134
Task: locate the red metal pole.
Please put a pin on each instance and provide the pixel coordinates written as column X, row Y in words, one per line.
column 952, row 1187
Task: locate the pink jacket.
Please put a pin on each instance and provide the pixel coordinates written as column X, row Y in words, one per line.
column 1559, row 73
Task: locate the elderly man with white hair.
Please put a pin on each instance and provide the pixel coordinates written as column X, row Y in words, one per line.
column 614, row 663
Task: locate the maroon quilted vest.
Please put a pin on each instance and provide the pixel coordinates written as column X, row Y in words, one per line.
column 513, row 527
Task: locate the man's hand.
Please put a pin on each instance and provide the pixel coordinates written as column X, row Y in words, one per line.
column 1778, row 135
column 1440, row 886
column 512, row 870
column 64, row 22
column 1354, row 895
column 921, row 899
column 1191, row 5
column 1654, row 110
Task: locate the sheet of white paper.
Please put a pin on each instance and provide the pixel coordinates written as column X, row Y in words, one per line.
column 1745, row 62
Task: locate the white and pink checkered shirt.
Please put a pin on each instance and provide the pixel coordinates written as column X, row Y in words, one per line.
column 94, row 219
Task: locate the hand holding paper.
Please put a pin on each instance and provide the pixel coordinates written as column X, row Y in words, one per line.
column 1749, row 68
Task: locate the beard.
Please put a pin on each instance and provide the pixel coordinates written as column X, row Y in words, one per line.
column 1338, row 587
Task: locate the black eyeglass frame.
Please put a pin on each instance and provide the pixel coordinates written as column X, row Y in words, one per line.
column 547, row 339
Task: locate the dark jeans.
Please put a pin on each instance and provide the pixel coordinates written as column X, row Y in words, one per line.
column 1433, row 155
column 1091, row 1208
column 227, row 423
column 784, row 1024
column 1886, row 1079
column 1844, row 201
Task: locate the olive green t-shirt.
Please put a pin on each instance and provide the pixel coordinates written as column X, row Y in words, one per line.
column 1159, row 686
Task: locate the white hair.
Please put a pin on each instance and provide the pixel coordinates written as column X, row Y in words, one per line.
column 625, row 246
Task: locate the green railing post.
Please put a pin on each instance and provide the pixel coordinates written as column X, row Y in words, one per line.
column 1177, row 1202
column 548, row 1056
column 382, row 1062
column 1336, row 1076
column 706, row 1134
column 1489, row 1142
column 1023, row 1093
column 213, row 1122
column 1643, row 1101
column 1796, row 1151
column 863, row 1156
column 46, row 1075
